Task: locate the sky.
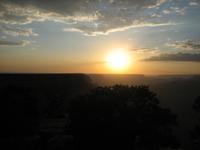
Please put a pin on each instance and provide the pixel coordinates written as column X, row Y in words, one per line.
column 76, row 36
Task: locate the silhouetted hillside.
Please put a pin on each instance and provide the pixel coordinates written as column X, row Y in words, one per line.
column 52, row 90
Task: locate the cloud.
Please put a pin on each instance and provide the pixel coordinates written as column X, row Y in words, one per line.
column 186, row 44
column 91, row 17
column 175, row 57
column 193, row 3
column 175, row 10
column 14, row 43
column 17, row 31
column 145, row 50
column 86, row 30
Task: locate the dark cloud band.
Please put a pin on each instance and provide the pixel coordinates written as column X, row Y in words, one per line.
column 176, row 57
column 13, row 43
column 187, row 44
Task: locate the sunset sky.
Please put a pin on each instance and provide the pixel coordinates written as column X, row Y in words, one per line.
column 78, row 36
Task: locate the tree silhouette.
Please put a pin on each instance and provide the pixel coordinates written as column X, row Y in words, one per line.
column 19, row 113
column 196, row 104
column 121, row 117
column 195, row 133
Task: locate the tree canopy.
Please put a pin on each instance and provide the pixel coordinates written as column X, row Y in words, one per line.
column 127, row 117
column 195, row 133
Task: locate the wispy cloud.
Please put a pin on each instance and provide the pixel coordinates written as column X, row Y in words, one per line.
column 193, row 3
column 17, row 31
column 86, row 30
column 14, row 43
column 145, row 50
column 186, row 44
column 175, row 10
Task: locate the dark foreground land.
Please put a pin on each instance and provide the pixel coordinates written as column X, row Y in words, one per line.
column 71, row 111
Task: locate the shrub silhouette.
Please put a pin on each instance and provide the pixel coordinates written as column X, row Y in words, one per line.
column 121, row 117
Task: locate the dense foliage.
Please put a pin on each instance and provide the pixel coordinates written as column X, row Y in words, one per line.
column 121, row 117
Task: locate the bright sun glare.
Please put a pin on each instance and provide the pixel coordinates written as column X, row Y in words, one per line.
column 118, row 59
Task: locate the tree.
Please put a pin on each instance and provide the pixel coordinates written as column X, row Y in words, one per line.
column 195, row 133
column 121, row 117
column 196, row 105
column 19, row 112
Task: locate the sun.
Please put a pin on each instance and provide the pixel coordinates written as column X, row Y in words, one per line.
column 118, row 59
